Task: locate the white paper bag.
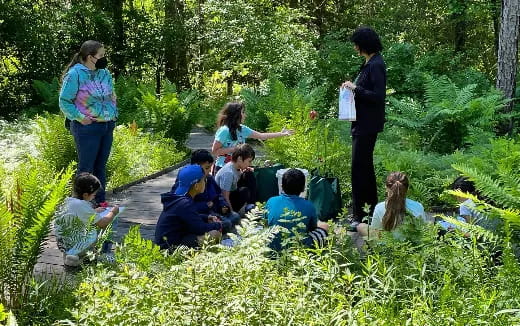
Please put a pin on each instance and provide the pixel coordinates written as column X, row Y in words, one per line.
column 347, row 105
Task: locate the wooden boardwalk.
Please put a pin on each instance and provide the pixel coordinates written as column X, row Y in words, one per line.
column 143, row 207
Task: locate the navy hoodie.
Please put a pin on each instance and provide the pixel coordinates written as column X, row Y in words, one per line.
column 211, row 193
column 179, row 219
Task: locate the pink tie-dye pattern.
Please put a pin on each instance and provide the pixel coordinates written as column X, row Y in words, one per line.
column 92, row 92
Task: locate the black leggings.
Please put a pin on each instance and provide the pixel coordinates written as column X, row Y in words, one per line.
column 364, row 186
column 245, row 193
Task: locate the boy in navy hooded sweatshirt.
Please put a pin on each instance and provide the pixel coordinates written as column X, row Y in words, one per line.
column 180, row 223
column 210, row 201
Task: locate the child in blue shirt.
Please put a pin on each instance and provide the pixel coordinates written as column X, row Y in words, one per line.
column 290, row 211
column 231, row 132
column 389, row 215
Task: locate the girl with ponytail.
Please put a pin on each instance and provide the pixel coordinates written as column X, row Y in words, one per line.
column 88, row 100
column 388, row 215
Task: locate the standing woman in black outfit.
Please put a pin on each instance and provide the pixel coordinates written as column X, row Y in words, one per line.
column 369, row 92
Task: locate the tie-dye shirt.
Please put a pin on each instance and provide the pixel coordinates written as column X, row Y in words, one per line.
column 88, row 93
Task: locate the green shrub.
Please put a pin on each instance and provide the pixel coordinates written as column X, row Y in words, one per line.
column 48, row 94
column 129, row 92
column 26, row 212
column 276, row 98
column 399, row 282
column 136, row 154
column 54, row 143
column 170, row 114
column 450, row 118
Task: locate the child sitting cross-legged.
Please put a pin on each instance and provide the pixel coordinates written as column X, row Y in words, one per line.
column 180, row 223
column 77, row 227
column 390, row 214
column 210, row 201
column 237, row 181
column 467, row 210
column 294, row 213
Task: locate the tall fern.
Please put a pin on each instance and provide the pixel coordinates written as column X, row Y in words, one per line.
column 449, row 117
column 25, row 217
column 502, row 192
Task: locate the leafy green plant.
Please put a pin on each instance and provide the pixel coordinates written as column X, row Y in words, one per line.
column 450, row 117
column 26, row 212
column 54, row 142
column 136, row 154
column 276, row 98
column 170, row 114
column 418, row 279
column 48, row 93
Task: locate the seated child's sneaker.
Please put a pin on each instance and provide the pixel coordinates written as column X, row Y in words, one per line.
column 228, row 242
column 249, row 207
column 72, row 260
column 108, row 258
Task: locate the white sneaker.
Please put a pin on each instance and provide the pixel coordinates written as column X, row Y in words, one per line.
column 72, row 260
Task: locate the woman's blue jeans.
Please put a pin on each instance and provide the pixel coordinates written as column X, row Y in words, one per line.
column 93, row 144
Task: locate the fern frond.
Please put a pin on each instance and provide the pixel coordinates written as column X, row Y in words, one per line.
column 471, row 228
column 490, row 188
column 465, row 95
column 34, row 210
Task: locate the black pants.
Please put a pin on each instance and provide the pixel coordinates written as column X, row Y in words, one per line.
column 245, row 193
column 364, row 187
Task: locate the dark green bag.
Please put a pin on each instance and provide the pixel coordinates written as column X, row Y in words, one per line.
column 266, row 182
column 325, row 194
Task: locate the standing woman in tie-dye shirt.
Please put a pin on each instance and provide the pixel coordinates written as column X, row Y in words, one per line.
column 88, row 100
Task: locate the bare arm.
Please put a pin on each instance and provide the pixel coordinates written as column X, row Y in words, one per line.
column 105, row 221
column 218, row 150
column 225, row 194
column 269, row 135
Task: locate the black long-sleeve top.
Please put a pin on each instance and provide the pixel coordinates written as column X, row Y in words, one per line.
column 370, row 93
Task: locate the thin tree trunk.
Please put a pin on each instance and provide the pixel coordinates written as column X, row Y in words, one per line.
column 118, row 58
column 508, row 54
column 176, row 61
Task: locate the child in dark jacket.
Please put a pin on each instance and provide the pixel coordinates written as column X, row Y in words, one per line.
column 210, row 201
column 180, row 223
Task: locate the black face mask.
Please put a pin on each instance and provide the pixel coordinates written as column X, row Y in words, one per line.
column 101, row 63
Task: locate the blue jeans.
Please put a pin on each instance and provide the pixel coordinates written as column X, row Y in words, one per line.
column 93, row 144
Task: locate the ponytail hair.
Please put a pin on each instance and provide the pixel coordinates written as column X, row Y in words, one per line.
column 231, row 116
column 89, row 47
column 396, row 187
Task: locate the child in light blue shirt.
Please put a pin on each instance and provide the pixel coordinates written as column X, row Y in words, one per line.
column 388, row 215
column 232, row 132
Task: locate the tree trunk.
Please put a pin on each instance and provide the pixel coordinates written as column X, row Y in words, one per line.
column 176, row 61
column 458, row 19
column 508, row 54
column 118, row 59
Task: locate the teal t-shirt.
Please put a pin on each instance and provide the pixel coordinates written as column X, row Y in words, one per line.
column 289, row 211
column 223, row 136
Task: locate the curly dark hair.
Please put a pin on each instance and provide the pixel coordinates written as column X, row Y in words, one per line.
column 231, row 116
column 367, row 40
column 85, row 183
